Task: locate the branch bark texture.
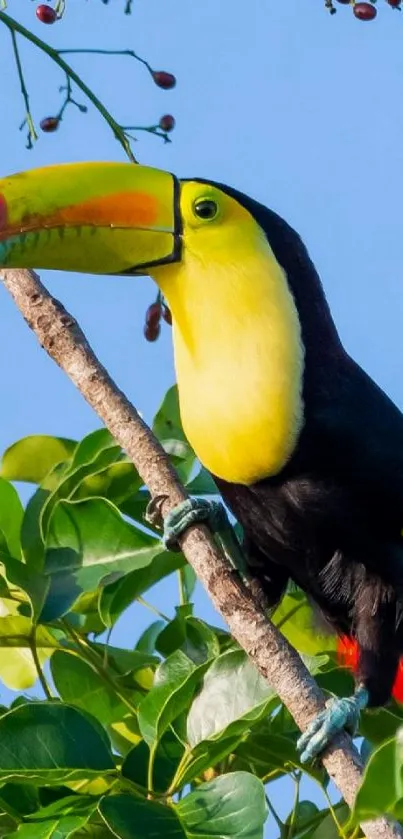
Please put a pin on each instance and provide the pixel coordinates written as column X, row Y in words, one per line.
column 60, row 335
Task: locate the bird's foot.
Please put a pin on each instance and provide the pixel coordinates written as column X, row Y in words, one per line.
column 198, row 510
column 341, row 713
column 192, row 511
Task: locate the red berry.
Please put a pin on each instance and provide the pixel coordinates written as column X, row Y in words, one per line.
column 167, row 122
column 153, row 314
column 394, row 3
column 46, row 14
column 49, row 124
column 166, row 314
column 163, row 79
column 152, row 331
column 364, row 11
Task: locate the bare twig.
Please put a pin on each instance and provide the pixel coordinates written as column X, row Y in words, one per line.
column 279, row 663
column 28, row 121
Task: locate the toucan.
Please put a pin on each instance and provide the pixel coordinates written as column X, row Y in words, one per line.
column 306, row 450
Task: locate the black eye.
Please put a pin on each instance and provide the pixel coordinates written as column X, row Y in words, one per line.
column 206, row 208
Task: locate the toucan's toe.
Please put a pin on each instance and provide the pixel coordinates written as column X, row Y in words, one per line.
column 191, row 511
column 340, row 714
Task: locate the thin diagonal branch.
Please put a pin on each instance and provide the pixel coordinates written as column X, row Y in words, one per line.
column 60, row 335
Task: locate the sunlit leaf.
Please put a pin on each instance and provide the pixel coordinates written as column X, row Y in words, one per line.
column 296, row 619
column 31, row 458
column 18, row 670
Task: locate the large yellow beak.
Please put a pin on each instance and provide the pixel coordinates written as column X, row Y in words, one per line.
column 99, row 218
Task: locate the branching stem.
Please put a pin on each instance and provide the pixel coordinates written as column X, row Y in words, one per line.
column 14, row 26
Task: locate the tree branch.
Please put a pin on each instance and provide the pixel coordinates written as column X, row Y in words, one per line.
column 62, row 338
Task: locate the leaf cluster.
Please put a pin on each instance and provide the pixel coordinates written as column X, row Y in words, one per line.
column 175, row 735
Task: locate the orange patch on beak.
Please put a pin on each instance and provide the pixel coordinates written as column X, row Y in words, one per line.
column 124, row 209
column 134, row 210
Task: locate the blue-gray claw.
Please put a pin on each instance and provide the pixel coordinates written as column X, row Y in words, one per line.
column 341, row 713
column 189, row 512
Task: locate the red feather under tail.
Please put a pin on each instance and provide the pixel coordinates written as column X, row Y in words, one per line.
column 347, row 656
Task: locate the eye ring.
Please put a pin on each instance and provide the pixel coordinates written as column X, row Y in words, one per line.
column 205, row 209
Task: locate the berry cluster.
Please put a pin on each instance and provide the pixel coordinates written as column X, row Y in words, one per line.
column 163, row 79
column 157, row 311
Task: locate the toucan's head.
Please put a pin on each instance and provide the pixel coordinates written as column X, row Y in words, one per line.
column 248, row 309
column 120, row 218
column 114, row 218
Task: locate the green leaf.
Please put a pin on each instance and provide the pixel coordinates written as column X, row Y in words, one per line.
column 147, row 640
column 91, row 446
column 379, row 725
column 324, row 826
column 31, row 458
column 135, row 507
column 173, row 636
column 11, row 515
column 233, row 698
column 7, row 825
column 135, row 818
column 296, row 620
column 265, row 751
column 73, row 478
column 19, row 799
column 175, row 683
column 51, row 743
column 381, row 790
column 188, row 581
column 95, row 830
column 33, row 583
column 202, row 484
column 59, row 820
column 118, row 596
column 118, row 482
column 33, row 545
column 167, row 423
column 166, row 759
column 231, row 805
column 233, row 691
column 126, row 661
column 192, row 635
column 34, row 831
column 301, row 816
column 89, row 543
column 78, row 684
column 17, row 666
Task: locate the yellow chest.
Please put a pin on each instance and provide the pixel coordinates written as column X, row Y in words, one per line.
column 239, row 365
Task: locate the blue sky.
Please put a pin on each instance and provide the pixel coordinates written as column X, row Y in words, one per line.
column 297, row 108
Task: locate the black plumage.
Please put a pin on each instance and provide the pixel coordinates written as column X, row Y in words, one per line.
column 332, row 519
